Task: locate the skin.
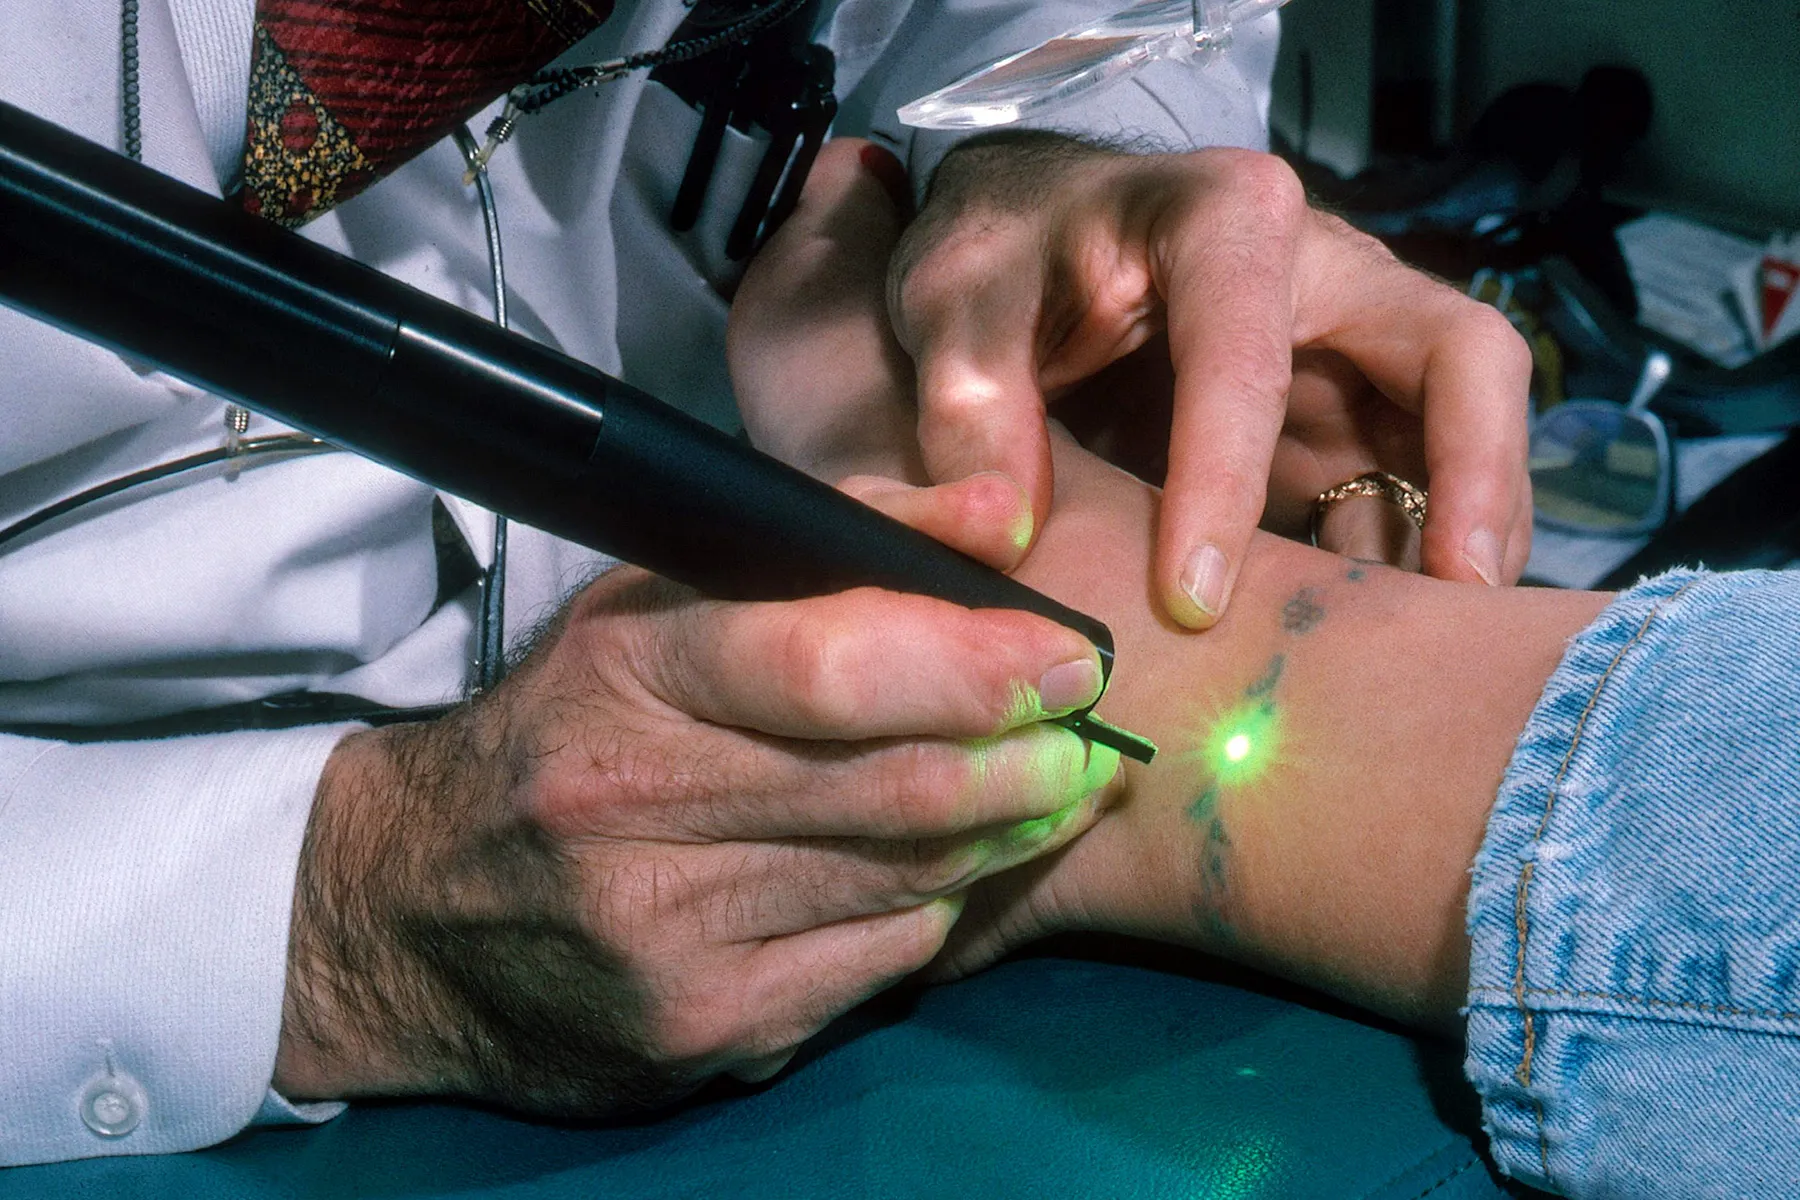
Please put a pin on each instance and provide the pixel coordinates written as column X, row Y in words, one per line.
column 1038, row 261
column 684, row 835
column 1339, row 857
column 681, row 837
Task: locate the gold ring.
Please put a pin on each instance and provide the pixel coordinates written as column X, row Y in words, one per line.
column 1380, row 484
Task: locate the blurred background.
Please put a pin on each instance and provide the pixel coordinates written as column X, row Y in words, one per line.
column 1624, row 182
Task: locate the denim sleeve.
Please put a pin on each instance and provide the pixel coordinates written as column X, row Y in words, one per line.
column 1634, row 991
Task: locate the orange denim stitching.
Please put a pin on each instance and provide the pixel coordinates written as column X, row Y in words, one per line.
column 1521, row 897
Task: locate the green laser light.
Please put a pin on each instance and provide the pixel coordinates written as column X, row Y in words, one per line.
column 1244, row 743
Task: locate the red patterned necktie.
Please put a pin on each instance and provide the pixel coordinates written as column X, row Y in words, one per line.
column 344, row 91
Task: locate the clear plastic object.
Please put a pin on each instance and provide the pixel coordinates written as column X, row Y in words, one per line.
column 1052, row 73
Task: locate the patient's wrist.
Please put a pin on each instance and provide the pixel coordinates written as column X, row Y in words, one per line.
column 1378, row 711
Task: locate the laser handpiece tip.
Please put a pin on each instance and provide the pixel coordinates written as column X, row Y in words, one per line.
column 1132, row 746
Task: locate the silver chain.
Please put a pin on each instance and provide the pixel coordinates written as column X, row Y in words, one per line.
column 128, row 83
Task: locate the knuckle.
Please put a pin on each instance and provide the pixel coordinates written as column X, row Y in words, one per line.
column 956, row 397
column 781, row 1043
column 1489, row 328
column 1243, row 380
column 1260, row 367
column 583, row 777
column 1264, row 182
column 817, row 670
column 923, row 787
column 630, row 772
column 938, row 269
column 1481, row 324
column 996, row 646
column 722, row 1018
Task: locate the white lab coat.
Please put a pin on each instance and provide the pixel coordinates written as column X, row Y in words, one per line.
column 145, row 887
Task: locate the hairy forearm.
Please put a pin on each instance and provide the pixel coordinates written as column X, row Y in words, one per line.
column 357, row 1018
column 1330, row 750
column 429, row 952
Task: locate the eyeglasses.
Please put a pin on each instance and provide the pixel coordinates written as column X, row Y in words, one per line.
column 1598, row 467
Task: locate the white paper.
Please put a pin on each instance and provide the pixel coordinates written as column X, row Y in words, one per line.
column 1687, row 282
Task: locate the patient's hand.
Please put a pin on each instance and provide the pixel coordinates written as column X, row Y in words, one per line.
column 823, row 385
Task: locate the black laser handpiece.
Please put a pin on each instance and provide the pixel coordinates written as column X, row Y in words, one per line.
column 123, row 256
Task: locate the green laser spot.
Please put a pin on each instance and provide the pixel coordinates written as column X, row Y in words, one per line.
column 1244, row 743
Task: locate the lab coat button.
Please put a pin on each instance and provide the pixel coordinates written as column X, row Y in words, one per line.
column 113, row 1105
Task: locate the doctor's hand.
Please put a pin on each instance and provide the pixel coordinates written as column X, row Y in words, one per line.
column 679, row 839
column 1303, row 352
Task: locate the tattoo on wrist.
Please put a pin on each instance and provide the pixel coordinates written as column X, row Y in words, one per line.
column 1302, row 614
column 1264, row 685
column 1215, row 844
column 1244, row 742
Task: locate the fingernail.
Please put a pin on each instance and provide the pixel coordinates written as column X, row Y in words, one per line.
column 1020, row 533
column 1203, row 579
column 951, row 905
column 1482, row 552
column 1102, row 765
column 1029, row 835
column 1069, row 686
column 1019, row 521
column 1098, row 765
column 1020, row 528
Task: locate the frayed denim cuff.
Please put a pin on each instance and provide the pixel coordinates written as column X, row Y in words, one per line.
column 1634, row 991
